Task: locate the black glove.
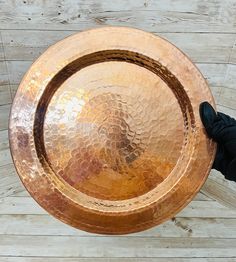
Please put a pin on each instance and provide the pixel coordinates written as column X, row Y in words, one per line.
column 222, row 129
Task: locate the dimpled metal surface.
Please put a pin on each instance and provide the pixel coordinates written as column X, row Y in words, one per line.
column 105, row 131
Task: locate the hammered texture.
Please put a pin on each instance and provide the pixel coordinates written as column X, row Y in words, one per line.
column 105, row 132
column 106, row 136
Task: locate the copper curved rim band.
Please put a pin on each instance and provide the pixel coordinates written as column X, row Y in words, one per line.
column 101, row 85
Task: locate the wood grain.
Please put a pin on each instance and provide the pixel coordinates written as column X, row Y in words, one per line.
column 132, row 259
column 5, row 94
column 230, row 78
column 5, row 157
column 151, row 15
column 10, row 183
column 4, row 80
column 116, row 246
column 228, row 97
column 220, row 189
column 1, row 48
column 233, row 55
column 4, row 116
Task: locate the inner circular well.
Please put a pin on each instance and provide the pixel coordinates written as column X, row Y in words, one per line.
column 113, row 127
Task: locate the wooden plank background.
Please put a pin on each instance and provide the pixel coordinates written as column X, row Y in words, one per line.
column 206, row 31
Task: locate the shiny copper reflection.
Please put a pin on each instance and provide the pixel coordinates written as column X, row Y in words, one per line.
column 107, row 137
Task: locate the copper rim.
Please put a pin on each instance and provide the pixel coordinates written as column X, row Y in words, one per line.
column 105, row 131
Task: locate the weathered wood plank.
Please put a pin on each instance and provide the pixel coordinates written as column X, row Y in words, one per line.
column 220, row 189
column 20, row 205
column 133, row 259
column 228, row 97
column 4, row 115
column 26, row 205
column 214, row 73
column 201, row 197
column 115, row 246
column 211, row 209
column 5, row 95
column 13, row 89
column 161, row 16
column 216, row 90
column 230, row 78
column 1, row 48
column 200, row 47
column 219, row 178
column 10, row 184
column 28, row 45
column 232, row 59
column 3, row 74
column 25, row 193
column 16, row 70
column 204, row 48
column 4, row 143
column 125, row 5
column 177, row 227
column 220, row 193
column 5, row 156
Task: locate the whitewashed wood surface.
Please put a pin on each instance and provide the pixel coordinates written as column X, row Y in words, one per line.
column 206, row 31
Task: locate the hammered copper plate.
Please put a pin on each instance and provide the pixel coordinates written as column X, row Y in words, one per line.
column 105, row 131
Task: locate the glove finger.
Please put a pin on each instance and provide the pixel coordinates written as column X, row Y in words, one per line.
column 208, row 116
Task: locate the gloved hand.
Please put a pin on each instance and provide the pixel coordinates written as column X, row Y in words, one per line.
column 222, row 129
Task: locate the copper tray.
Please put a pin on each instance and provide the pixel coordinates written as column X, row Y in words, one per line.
column 105, row 131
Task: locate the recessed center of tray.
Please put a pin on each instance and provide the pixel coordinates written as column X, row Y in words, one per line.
column 113, row 130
